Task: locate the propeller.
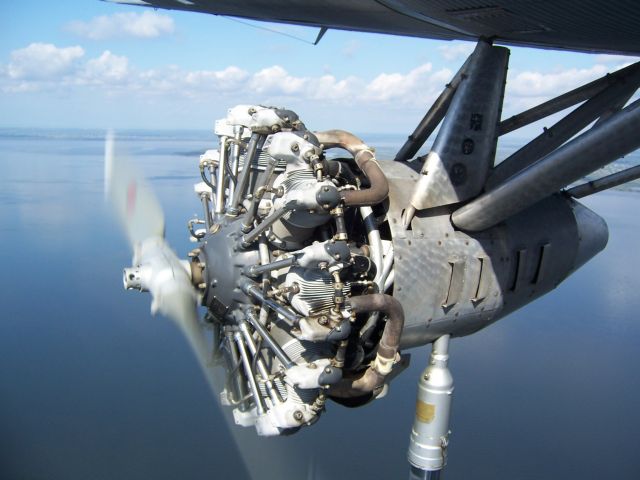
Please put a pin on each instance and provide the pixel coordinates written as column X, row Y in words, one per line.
column 156, row 268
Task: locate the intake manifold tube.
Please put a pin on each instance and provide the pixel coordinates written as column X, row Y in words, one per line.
column 366, row 161
column 372, row 379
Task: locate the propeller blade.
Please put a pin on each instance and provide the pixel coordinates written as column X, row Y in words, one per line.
column 159, row 271
column 130, row 196
column 156, row 268
column 185, row 315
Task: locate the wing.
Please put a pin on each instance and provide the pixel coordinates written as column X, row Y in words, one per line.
column 581, row 25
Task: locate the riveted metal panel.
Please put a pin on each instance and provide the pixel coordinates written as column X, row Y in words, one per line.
column 498, row 270
column 464, row 150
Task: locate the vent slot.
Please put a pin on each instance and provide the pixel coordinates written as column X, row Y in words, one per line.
column 521, row 257
column 541, row 268
column 484, row 280
column 456, row 283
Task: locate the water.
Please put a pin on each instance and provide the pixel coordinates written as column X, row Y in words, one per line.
column 92, row 386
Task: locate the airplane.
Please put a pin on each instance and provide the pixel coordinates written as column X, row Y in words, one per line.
column 318, row 263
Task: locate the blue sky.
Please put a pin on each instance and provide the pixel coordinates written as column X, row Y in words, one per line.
column 97, row 65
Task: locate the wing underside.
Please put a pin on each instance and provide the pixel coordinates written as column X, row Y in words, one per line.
column 581, row 25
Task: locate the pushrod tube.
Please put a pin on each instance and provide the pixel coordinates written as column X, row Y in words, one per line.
column 268, row 339
column 238, row 385
column 252, row 289
column 248, row 238
column 221, row 178
column 264, row 373
column 253, row 149
column 261, row 185
column 257, row 270
column 246, row 363
column 204, row 198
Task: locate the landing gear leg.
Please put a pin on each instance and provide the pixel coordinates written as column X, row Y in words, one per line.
column 430, row 432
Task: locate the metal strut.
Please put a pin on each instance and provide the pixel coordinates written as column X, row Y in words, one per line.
column 621, row 87
column 462, row 154
column 566, row 100
column 588, row 152
column 432, row 118
column 460, row 169
column 605, row 183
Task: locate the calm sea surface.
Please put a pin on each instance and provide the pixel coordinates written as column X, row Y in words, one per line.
column 93, row 387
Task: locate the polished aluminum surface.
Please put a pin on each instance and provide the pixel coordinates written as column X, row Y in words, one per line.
column 457, row 165
column 457, row 282
column 429, row 437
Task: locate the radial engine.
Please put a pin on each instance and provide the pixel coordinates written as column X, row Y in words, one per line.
column 291, row 267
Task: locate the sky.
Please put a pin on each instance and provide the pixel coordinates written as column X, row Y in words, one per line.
column 94, row 64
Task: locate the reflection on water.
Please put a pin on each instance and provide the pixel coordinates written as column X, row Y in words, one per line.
column 92, row 386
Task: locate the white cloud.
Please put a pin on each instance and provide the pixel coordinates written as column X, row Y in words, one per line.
column 42, row 60
column 456, row 50
column 329, row 88
column 229, row 79
column 408, row 88
column 276, row 81
column 537, row 84
column 146, row 24
column 107, row 68
column 113, row 73
column 415, row 87
column 616, row 59
column 46, row 67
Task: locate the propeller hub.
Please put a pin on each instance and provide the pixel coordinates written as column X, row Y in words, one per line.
column 225, row 266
